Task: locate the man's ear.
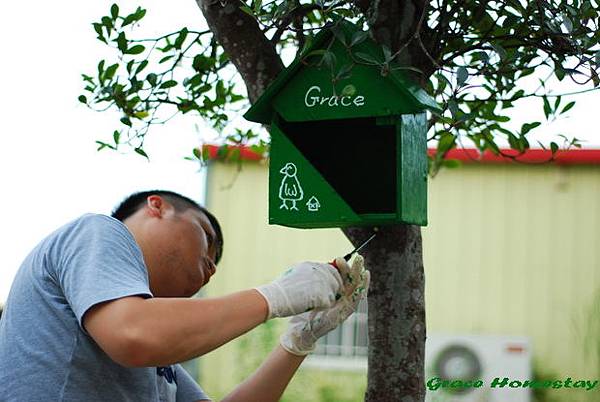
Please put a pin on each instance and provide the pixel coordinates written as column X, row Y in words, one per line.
column 155, row 206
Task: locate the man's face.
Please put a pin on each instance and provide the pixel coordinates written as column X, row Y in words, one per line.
column 182, row 253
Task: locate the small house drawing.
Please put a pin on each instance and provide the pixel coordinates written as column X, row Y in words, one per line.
column 313, row 204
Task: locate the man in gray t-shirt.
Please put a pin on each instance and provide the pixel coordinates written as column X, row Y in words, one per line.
column 100, row 309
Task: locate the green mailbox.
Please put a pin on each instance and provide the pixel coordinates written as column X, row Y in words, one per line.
column 345, row 151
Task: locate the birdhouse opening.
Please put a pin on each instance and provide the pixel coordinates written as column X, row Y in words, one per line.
column 357, row 157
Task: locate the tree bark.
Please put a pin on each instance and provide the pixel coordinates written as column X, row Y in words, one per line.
column 396, row 312
column 396, row 300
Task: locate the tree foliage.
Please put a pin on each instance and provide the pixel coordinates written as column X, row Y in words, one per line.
column 476, row 58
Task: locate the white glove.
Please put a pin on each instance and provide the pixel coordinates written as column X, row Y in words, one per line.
column 304, row 329
column 303, row 287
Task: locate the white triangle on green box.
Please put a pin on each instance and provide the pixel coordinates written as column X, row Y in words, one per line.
column 302, row 197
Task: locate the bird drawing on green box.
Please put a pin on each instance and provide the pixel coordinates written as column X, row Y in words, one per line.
column 290, row 189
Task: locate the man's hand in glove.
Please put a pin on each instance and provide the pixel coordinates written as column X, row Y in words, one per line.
column 304, row 329
column 305, row 286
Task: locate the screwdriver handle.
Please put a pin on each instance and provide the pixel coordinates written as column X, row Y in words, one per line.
column 346, row 257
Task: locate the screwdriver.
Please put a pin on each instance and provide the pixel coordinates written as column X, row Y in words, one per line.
column 356, row 250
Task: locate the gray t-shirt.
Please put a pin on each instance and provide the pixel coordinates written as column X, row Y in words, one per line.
column 45, row 355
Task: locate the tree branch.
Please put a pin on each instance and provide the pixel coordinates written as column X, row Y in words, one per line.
column 293, row 17
column 253, row 55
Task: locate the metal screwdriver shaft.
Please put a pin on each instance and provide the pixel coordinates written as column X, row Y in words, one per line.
column 356, row 250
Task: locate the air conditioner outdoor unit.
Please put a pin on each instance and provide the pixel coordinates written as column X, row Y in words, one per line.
column 478, row 362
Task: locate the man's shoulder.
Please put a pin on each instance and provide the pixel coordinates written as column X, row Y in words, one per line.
column 98, row 219
column 91, row 227
column 92, row 221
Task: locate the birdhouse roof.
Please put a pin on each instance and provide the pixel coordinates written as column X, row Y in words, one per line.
column 341, row 74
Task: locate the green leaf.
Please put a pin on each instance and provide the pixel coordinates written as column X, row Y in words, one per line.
column 547, row 108
column 165, row 59
column 461, row 76
column 345, row 72
column 236, row 98
column 98, row 29
column 446, row 143
column 559, row 71
column 513, row 141
column 318, row 52
column 202, row 63
column 180, row 38
column 247, row 10
column 140, row 151
column 453, row 107
column 568, row 107
column 524, row 144
column 480, row 56
column 527, row 127
column 100, row 69
column 557, row 102
column 116, row 135
column 122, row 42
column 500, row 50
column 358, row 37
column 595, row 78
column 501, row 119
column 387, row 53
column 329, row 59
column 339, row 34
column 222, row 152
column 133, row 17
column 491, row 145
column 194, row 81
column 568, row 23
column 141, row 66
column 125, row 120
column 168, row 84
column 257, row 6
column 597, row 57
column 110, row 72
column 137, row 49
column 101, row 145
column 367, row 58
column 114, row 11
column 451, row 163
column 107, row 22
column 554, row 147
column 82, row 99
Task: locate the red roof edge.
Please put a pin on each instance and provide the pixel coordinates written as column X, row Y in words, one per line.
column 245, row 153
column 567, row 157
column 470, row 155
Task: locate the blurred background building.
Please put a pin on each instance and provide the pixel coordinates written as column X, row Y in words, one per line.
column 511, row 253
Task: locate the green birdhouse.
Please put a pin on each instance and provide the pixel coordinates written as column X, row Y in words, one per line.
column 348, row 137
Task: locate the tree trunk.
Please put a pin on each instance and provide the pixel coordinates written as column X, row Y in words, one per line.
column 396, row 312
column 397, row 329
column 396, row 296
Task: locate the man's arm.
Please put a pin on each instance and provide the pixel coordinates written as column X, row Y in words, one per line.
column 138, row 332
column 270, row 380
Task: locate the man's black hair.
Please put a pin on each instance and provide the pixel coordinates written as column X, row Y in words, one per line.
column 134, row 202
